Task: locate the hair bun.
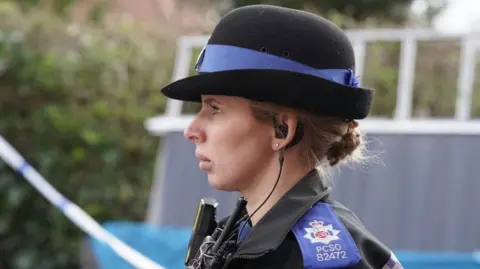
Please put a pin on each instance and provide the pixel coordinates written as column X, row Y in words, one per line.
column 343, row 148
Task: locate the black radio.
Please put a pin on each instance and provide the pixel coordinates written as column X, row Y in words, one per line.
column 204, row 225
column 209, row 249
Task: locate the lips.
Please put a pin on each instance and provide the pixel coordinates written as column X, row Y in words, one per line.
column 205, row 163
column 202, row 157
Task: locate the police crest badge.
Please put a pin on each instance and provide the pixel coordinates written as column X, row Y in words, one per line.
column 320, row 233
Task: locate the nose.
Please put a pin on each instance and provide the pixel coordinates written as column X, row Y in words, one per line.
column 194, row 132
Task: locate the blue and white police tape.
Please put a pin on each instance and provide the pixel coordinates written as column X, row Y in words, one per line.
column 71, row 210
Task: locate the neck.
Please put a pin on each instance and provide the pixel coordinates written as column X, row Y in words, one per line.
column 256, row 193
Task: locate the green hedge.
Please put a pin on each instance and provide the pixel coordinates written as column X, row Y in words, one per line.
column 73, row 100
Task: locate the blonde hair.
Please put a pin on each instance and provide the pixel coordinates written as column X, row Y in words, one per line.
column 328, row 141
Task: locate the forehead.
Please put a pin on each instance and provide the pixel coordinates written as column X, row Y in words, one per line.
column 223, row 99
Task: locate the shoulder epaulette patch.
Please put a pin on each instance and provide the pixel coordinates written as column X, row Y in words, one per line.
column 324, row 240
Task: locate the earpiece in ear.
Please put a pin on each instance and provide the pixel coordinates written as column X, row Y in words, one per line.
column 282, row 131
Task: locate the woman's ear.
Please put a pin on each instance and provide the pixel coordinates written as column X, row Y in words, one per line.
column 285, row 125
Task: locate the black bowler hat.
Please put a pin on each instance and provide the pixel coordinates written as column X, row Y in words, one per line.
column 279, row 55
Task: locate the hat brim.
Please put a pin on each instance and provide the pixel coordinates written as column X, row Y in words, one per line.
column 301, row 91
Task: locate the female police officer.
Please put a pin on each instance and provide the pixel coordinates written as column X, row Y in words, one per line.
column 279, row 103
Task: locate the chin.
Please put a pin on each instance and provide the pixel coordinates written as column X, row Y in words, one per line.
column 220, row 184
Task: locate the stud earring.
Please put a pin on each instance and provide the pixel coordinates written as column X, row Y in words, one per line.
column 276, row 145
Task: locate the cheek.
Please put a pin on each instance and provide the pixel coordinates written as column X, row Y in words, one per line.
column 241, row 141
column 242, row 152
column 253, row 146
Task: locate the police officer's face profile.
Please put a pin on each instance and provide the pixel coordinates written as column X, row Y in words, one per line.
column 231, row 145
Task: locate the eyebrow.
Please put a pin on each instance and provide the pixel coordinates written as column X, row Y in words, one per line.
column 210, row 100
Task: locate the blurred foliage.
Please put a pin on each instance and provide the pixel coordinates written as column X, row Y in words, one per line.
column 63, row 7
column 60, row 7
column 397, row 11
column 73, row 99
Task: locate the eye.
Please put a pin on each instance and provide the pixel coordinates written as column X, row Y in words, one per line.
column 215, row 109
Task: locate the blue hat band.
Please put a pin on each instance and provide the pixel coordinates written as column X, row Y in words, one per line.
column 217, row 58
